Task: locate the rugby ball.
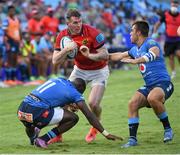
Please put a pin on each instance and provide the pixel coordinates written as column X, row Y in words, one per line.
column 64, row 42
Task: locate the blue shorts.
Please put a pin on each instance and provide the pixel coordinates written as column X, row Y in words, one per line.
column 36, row 116
column 167, row 87
column 2, row 51
column 14, row 46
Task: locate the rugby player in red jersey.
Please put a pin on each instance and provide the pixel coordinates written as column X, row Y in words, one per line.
column 92, row 67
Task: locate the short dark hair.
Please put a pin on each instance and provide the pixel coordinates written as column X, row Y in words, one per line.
column 80, row 84
column 73, row 13
column 143, row 27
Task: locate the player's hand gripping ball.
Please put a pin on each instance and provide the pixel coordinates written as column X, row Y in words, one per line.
column 69, row 43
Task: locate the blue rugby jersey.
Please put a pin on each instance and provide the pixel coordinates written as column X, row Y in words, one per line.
column 56, row 92
column 153, row 71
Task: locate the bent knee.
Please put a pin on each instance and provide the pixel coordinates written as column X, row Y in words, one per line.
column 94, row 106
column 153, row 100
column 75, row 118
column 133, row 105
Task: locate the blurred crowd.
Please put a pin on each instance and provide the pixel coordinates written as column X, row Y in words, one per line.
column 29, row 27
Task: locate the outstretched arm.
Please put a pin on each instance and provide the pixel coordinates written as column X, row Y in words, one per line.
column 149, row 56
column 95, row 122
column 118, row 56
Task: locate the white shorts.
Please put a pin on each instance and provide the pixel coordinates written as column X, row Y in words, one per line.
column 57, row 117
column 96, row 77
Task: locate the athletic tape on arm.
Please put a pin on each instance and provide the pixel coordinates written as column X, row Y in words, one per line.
column 150, row 56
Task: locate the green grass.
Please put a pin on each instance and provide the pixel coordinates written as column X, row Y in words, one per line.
column 121, row 86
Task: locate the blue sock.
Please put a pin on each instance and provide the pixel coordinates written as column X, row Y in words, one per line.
column 133, row 127
column 50, row 135
column 164, row 119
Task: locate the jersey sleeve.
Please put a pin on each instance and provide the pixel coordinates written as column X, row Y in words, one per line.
column 76, row 96
column 151, row 43
column 97, row 37
column 131, row 53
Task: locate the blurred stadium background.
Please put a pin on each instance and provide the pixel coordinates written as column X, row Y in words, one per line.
column 112, row 17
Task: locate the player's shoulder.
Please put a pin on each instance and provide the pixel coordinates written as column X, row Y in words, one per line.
column 151, row 41
column 133, row 50
column 89, row 27
column 134, row 47
column 91, row 31
column 62, row 33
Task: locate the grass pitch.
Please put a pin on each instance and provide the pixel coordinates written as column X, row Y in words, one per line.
column 121, row 86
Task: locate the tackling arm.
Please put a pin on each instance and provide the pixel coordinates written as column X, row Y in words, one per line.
column 94, row 121
column 149, row 56
column 118, row 56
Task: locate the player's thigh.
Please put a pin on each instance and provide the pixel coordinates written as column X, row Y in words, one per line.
column 69, row 116
column 163, row 90
column 156, row 94
column 138, row 100
column 78, row 73
column 99, row 77
column 96, row 94
column 96, row 77
column 57, row 116
column 38, row 116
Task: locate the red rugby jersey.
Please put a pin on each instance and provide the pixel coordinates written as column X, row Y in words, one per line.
column 90, row 37
column 172, row 24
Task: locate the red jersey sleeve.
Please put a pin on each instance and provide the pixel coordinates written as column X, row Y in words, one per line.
column 97, row 37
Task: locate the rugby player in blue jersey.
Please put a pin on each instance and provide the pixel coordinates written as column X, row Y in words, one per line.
column 158, row 87
column 44, row 106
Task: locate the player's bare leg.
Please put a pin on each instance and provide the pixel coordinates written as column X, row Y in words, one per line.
column 69, row 120
column 95, row 98
column 137, row 101
column 156, row 98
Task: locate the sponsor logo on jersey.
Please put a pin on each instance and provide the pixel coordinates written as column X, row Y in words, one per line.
column 142, row 68
column 85, row 41
column 100, row 38
column 28, row 117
